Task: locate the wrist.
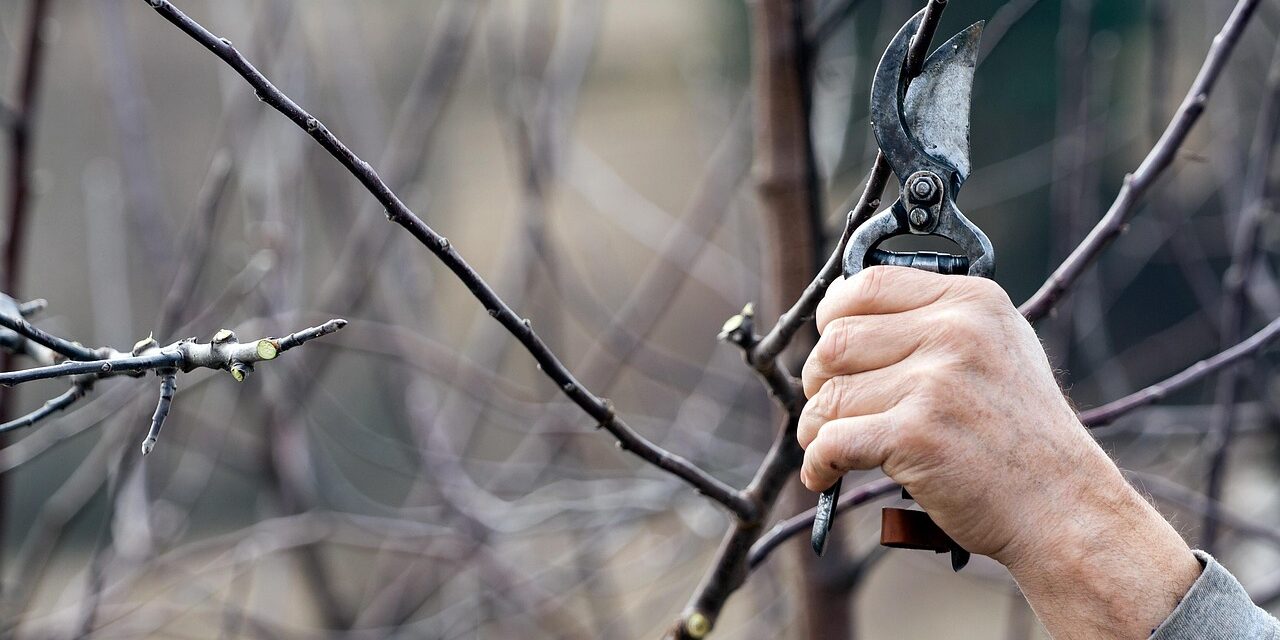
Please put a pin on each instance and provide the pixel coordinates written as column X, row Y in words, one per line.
column 1104, row 562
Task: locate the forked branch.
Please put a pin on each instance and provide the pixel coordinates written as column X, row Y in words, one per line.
column 223, row 352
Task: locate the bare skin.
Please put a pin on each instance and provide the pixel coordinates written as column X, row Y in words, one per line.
column 941, row 383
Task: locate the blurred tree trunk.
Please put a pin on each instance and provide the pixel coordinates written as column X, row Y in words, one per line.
column 21, row 118
column 786, row 183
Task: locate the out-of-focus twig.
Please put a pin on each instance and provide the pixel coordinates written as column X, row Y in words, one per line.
column 1234, row 314
column 22, row 110
column 1109, row 412
column 1140, row 181
column 50, row 407
column 20, row 122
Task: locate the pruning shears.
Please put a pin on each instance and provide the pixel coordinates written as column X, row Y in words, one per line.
column 922, row 127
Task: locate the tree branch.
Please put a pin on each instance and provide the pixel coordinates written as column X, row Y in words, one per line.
column 58, row 403
column 223, row 352
column 1108, row 413
column 1136, row 184
column 600, row 409
column 784, row 530
column 790, row 322
column 168, row 386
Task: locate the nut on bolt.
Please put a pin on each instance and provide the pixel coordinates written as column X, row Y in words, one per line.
column 922, row 188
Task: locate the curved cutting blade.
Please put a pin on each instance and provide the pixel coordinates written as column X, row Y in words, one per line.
column 887, row 93
column 936, row 107
column 927, row 125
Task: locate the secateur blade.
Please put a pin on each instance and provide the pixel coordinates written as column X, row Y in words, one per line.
column 923, row 124
column 936, row 107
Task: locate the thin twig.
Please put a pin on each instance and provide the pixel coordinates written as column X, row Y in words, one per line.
column 223, row 352
column 785, row 529
column 50, row 407
column 1108, row 413
column 828, row 21
column 1234, row 314
column 196, row 245
column 397, row 212
column 298, row 337
column 1136, row 184
column 1000, row 23
column 168, row 385
column 67, row 348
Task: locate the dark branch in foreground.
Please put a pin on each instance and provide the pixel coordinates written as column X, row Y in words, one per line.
column 785, row 529
column 600, row 409
column 1140, row 181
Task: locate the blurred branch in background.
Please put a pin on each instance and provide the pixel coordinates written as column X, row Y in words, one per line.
column 416, row 473
column 20, row 114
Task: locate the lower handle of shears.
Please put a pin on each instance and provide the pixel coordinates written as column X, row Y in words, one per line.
column 822, row 519
column 899, row 529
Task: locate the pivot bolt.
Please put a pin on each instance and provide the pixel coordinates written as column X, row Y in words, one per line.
column 920, row 217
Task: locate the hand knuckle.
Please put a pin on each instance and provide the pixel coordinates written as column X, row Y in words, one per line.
column 956, row 325
column 984, row 288
column 834, row 396
column 927, row 379
column 915, row 435
column 870, row 282
column 833, row 345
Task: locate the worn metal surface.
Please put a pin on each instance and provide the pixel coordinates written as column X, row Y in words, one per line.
column 923, row 131
column 936, row 107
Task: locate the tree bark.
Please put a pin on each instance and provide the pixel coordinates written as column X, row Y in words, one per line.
column 786, row 183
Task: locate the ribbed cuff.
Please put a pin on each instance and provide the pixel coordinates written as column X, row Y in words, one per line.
column 1217, row 607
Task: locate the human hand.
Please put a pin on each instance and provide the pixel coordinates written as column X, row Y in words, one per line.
column 939, row 381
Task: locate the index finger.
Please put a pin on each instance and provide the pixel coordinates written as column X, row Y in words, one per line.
column 881, row 289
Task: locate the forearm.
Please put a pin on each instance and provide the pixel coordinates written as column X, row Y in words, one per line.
column 1113, row 567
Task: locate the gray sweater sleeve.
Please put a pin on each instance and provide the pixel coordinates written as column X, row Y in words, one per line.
column 1217, row 607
